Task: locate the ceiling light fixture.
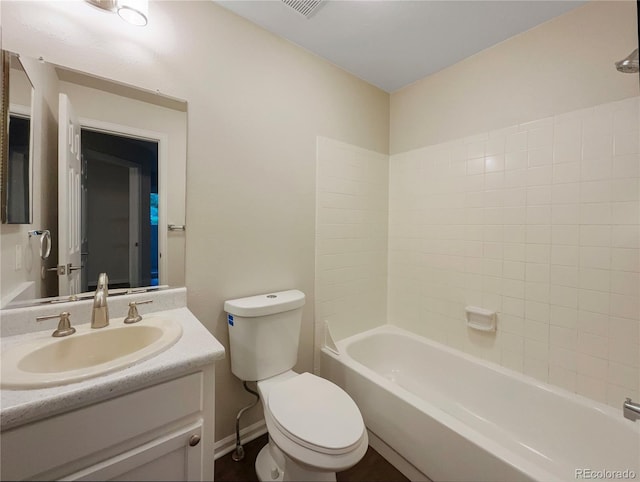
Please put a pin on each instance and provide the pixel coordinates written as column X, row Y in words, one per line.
column 133, row 11
column 108, row 5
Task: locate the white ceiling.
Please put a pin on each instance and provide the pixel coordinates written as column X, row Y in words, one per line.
column 392, row 43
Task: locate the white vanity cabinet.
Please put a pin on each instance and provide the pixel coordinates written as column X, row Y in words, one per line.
column 161, row 432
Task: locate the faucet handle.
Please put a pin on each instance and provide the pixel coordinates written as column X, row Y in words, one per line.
column 133, row 316
column 64, row 325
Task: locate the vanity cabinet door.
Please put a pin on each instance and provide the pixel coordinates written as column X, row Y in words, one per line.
column 177, row 455
column 137, row 427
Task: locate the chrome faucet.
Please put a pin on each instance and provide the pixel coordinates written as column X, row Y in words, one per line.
column 631, row 410
column 100, row 311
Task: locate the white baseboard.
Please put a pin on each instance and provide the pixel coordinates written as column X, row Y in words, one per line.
column 247, row 434
column 395, row 459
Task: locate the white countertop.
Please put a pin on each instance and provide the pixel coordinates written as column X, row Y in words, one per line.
column 195, row 348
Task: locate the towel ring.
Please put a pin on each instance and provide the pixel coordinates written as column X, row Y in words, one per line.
column 45, row 240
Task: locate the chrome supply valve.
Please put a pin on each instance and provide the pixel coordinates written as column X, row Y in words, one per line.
column 64, row 325
column 631, row 410
column 133, row 316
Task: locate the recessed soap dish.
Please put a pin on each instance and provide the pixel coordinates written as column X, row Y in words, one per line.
column 480, row 318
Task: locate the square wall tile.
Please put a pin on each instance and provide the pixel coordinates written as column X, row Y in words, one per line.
column 539, row 220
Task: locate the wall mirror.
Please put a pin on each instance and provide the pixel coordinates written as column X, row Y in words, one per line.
column 110, row 187
column 17, row 168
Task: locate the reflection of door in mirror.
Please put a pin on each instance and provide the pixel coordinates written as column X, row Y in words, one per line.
column 17, row 166
column 69, row 202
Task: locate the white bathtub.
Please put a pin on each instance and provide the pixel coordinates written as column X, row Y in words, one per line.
column 454, row 417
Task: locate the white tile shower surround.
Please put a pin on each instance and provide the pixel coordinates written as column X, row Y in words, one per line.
column 540, row 222
column 351, row 238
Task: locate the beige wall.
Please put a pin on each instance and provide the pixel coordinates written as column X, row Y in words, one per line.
column 256, row 105
column 560, row 66
column 20, row 89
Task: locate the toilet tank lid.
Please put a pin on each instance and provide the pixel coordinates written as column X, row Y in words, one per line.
column 267, row 304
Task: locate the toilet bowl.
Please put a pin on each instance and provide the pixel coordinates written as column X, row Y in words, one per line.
column 315, row 429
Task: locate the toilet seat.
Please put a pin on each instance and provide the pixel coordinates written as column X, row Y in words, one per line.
column 316, row 414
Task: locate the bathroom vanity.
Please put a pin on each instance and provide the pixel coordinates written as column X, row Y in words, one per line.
column 152, row 420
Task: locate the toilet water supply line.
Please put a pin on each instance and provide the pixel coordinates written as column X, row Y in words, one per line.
column 238, row 455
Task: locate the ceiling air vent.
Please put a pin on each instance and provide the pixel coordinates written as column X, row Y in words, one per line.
column 306, row 8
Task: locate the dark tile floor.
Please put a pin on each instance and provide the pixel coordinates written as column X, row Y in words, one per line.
column 372, row 468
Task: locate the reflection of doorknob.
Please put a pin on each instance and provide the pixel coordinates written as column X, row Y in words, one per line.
column 71, row 268
column 60, row 270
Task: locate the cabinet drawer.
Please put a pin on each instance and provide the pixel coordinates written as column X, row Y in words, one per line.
column 41, row 446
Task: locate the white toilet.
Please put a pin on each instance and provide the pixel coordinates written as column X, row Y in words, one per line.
column 315, row 428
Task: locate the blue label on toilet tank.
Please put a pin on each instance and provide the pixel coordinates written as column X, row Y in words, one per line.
column 230, row 319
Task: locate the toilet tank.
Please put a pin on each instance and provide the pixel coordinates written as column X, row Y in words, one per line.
column 264, row 331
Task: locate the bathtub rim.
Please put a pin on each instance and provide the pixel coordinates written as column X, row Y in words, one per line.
column 515, row 460
column 547, row 387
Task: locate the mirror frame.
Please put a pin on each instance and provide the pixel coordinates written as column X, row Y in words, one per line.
column 4, row 136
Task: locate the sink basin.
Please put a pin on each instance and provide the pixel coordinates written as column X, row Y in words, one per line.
column 87, row 353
